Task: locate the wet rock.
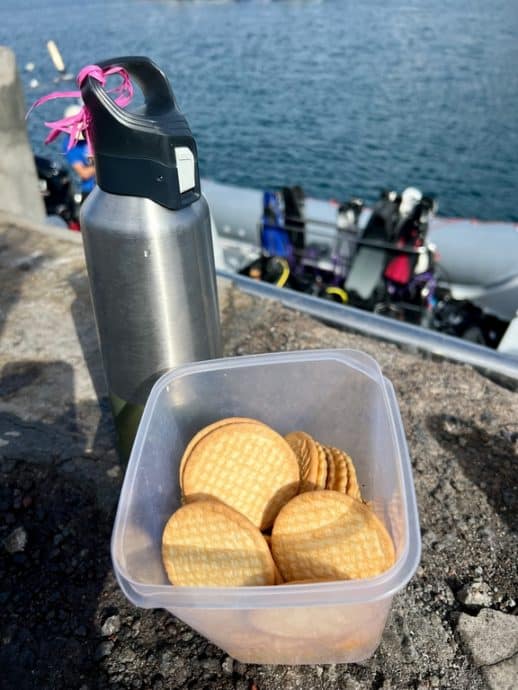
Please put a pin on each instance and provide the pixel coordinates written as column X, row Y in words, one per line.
column 211, row 665
column 180, row 675
column 172, row 666
column 228, row 665
column 16, row 541
column 352, row 684
column 103, row 650
column 126, row 656
column 111, row 626
column 476, row 595
column 492, row 640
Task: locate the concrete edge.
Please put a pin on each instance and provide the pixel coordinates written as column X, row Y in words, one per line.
column 24, row 224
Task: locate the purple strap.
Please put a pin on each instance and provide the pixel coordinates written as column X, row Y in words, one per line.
column 78, row 124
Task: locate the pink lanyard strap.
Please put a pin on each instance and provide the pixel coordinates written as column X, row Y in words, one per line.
column 77, row 124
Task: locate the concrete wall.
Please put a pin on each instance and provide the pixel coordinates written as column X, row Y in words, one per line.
column 19, row 192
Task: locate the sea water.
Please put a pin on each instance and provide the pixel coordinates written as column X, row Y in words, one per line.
column 339, row 96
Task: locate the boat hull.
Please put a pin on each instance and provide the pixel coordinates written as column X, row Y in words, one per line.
column 477, row 261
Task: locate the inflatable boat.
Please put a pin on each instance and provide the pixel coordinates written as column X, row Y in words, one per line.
column 470, row 287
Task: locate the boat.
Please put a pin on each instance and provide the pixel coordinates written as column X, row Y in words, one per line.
column 468, row 288
column 472, row 270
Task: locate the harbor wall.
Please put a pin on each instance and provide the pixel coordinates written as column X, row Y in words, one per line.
column 19, row 191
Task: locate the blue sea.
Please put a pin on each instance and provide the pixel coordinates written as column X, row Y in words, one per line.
column 340, row 96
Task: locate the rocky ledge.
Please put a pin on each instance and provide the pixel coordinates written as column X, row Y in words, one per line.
column 63, row 621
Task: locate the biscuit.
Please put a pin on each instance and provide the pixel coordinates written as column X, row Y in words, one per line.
column 321, row 479
column 306, row 451
column 208, row 544
column 325, row 534
column 345, row 479
column 246, row 465
column 331, row 471
column 277, row 577
column 205, row 432
column 341, row 470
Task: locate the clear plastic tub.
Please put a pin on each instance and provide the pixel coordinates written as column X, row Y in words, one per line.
column 342, row 399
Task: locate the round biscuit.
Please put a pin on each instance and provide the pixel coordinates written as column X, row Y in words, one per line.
column 326, row 534
column 331, row 471
column 341, row 470
column 306, row 451
column 322, row 467
column 208, row 544
column 278, row 577
column 248, row 466
column 205, row 431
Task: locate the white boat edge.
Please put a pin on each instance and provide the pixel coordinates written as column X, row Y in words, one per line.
column 236, row 213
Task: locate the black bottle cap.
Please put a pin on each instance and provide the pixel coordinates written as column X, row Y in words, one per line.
column 150, row 153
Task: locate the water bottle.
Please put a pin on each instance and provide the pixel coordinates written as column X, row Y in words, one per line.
column 147, row 240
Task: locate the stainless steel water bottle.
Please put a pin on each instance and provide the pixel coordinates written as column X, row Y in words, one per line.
column 147, row 239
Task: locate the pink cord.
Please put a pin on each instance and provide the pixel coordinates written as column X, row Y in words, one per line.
column 77, row 124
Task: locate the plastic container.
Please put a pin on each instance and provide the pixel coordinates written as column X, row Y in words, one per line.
column 341, row 398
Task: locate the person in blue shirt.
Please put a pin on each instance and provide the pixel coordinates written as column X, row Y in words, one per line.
column 80, row 160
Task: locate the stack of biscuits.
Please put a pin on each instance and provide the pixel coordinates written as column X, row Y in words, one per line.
column 262, row 509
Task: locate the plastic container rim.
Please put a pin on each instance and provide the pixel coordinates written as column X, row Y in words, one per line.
column 345, row 591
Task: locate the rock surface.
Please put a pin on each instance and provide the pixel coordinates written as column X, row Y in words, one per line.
column 64, row 623
column 492, row 639
column 475, row 594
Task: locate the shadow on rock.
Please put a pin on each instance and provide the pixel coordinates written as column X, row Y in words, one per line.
column 51, row 426
column 15, row 264
column 45, row 389
column 82, row 314
column 56, row 512
column 83, row 317
column 54, row 559
column 488, row 460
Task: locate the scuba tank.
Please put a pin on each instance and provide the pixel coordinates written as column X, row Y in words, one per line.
column 148, row 245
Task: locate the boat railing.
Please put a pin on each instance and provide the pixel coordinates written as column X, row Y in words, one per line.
column 350, row 238
column 383, row 327
column 311, row 221
column 392, row 247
